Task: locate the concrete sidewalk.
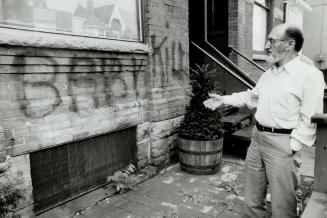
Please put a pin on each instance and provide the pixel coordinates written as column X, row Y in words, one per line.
column 173, row 193
column 170, row 193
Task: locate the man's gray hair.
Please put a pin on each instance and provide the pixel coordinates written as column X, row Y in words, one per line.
column 293, row 32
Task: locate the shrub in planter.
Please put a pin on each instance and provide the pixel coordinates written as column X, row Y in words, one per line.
column 200, row 123
column 200, row 133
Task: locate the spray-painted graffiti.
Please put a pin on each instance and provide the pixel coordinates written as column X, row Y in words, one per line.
column 164, row 64
column 100, row 87
column 91, row 82
column 31, row 87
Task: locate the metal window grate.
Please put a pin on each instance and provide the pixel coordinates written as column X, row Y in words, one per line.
column 65, row 171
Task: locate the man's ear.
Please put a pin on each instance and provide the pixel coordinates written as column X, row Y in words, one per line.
column 291, row 44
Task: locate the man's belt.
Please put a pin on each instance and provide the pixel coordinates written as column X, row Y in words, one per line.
column 272, row 130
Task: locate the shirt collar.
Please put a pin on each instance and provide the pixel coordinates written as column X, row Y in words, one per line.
column 289, row 67
column 293, row 65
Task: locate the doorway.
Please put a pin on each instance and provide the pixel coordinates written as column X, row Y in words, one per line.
column 208, row 22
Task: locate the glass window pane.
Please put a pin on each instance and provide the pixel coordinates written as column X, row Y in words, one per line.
column 259, row 28
column 115, row 19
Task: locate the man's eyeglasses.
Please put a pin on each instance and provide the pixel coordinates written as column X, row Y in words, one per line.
column 274, row 41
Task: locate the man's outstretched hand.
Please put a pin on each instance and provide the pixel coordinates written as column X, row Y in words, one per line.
column 214, row 101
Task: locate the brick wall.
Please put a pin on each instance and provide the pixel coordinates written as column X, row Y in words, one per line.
column 167, row 32
column 240, row 33
column 245, row 39
column 52, row 96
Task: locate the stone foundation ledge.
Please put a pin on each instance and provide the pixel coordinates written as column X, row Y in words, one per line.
column 316, row 207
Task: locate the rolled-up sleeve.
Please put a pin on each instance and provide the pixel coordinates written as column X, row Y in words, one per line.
column 247, row 98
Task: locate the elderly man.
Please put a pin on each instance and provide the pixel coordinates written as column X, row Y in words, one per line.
column 286, row 97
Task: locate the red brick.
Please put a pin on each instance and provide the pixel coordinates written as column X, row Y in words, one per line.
column 81, row 135
column 8, row 114
column 3, row 156
column 4, row 96
column 2, row 146
column 54, row 52
column 18, row 140
column 40, row 128
column 61, row 125
column 25, row 148
column 31, row 138
column 63, row 139
column 10, row 150
column 12, row 123
column 4, row 105
column 29, row 51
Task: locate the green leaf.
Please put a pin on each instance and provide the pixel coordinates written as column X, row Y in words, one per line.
column 120, row 187
column 131, row 168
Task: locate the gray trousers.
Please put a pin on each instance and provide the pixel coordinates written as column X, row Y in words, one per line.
column 269, row 160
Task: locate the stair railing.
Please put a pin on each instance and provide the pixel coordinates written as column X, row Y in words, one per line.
column 246, row 58
column 236, row 72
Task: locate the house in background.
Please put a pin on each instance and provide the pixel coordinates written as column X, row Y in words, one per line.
column 44, row 18
column 93, row 26
column 295, row 11
column 315, row 33
column 78, row 18
column 110, row 15
column 103, row 21
column 64, row 21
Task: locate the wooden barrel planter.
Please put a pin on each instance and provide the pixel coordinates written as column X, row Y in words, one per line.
column 200, row 157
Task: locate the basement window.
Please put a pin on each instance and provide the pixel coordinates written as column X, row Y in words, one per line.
column 109, row 19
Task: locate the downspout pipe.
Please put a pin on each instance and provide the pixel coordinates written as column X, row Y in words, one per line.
column 284, row 11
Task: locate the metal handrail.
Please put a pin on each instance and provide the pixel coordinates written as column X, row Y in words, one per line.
column 226, row 59
column 248, row 82
column 246, row 58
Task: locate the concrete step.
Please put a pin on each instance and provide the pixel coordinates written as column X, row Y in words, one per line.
column 228, row 110
column 236, row 121
column 235, row 118
column 243, row 134
column 238, row 128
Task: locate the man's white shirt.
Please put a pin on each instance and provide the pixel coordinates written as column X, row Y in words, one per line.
column 286, row 98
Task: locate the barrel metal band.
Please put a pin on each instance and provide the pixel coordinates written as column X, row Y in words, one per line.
column 200, row 152
column 199, row 167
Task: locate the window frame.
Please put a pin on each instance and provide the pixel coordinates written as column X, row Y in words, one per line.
column 140, row 6
column 267, row 8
